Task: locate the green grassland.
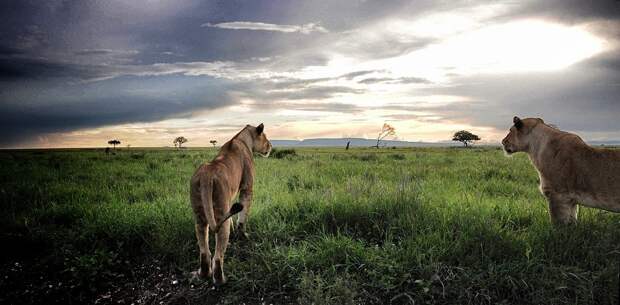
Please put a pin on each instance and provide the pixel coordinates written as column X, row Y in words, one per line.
column 327, row 226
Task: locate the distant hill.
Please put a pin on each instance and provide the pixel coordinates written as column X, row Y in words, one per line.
column 355, row 142
column 605, row 143
column 361, row 142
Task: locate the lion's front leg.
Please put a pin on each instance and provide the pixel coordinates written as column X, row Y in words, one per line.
column 562, row 208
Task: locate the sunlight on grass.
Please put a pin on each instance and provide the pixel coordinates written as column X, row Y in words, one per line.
column 434, row 226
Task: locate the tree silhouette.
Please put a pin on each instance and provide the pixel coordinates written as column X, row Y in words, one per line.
column 465, row 137
column 179, row 141
column 114, row 143
column 213, row 142
column 386, row 131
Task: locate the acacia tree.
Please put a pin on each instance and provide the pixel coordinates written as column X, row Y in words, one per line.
column 386, row 131
column 114, row 143
column 179, row 141
column 465, row 137
column 213, row 142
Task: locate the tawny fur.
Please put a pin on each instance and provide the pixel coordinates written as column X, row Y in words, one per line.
column 212, row 189
column 571, row 172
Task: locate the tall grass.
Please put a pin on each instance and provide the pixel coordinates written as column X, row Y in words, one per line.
column 327, row 226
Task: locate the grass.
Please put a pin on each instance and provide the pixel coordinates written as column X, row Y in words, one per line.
column 328, row 226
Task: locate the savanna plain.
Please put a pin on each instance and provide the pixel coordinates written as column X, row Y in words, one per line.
column 327, row 226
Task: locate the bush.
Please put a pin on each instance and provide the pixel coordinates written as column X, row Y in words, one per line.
column 283, row 153
column 137, row 156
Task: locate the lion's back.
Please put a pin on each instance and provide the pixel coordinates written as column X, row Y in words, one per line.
column 591, row 175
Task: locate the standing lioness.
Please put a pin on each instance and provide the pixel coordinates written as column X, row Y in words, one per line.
column 215, row 185
column 571, row 172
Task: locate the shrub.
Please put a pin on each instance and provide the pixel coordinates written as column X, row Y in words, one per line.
column 283, row 153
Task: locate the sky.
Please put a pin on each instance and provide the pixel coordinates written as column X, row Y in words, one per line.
column 77, row 73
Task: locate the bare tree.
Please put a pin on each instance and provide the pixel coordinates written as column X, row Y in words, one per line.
column 465, row 137
column 114, row 143
column 179, row 141
column 213, row 142
column 386, row 131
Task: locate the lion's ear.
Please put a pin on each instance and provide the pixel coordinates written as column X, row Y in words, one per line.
column 518, row 122
column 260, row 128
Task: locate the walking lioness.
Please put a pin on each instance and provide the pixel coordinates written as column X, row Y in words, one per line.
column 212, row 189
column 571, row 172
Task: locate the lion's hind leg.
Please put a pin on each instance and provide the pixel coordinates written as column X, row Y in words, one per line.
column 221, row 243
column 202, row 235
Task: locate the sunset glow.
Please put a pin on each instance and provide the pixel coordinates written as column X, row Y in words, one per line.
column 427, row 73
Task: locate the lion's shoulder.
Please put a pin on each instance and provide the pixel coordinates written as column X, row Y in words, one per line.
column 562, row 140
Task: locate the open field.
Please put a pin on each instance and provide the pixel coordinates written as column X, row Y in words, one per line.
column 327, row 226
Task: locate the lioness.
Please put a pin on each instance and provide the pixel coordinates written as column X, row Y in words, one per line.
column 570, row 171
column 212, row 188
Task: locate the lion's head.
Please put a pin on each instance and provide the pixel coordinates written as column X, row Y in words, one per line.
column 520, row 135
column 261, row 144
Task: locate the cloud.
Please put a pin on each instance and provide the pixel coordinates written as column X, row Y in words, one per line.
column 10, row 51
column 23, row 115
column 307, row 28
column 571, row 11
column 87, row 52
column 24, row 68
column 582, row 98
column 312, row 93
column 352, row 75
column 390, row 80
column 68, row 65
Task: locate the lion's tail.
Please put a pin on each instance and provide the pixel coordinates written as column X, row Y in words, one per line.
column 234, row 209
column 206, row 193
column 207, row 198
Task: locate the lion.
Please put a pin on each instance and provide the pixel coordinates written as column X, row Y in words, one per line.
column 212, row 189
column 571, row 172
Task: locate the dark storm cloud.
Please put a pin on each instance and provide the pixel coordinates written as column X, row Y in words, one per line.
column 23, row 68
column 9, row 51
column 16, row 68
column 569, row 11
column 70, row 64
column 23, row 116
